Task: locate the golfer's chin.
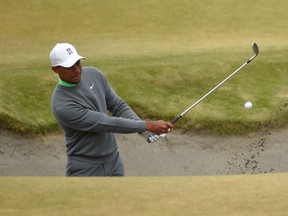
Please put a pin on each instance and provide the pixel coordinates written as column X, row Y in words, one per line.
column 76, row 80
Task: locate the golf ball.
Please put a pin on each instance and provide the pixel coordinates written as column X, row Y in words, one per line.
column 248, row 105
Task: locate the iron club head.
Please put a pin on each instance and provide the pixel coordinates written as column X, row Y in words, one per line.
column 255, row 48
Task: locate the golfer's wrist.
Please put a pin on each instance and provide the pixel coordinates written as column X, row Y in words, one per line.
column 148, row 126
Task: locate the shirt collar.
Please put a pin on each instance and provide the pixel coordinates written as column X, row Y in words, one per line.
column 63, row 83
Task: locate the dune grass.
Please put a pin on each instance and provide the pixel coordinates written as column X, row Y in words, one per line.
column 264, row 194
column 159, row 56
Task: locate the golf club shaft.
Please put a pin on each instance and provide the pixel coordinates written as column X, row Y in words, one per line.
column 255, row 50
column 197, row 102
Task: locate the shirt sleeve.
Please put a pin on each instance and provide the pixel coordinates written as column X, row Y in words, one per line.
column 118, row 107
column 77, row 118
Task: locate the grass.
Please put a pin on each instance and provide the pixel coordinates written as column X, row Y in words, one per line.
column 159, row 56
column 264, row 194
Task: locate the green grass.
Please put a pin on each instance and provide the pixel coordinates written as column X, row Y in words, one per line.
column 159, row 56
column 264, row 194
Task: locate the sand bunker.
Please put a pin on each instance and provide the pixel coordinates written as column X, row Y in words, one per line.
column 177, row 155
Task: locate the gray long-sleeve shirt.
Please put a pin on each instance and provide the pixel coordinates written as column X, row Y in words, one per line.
column 83, row 113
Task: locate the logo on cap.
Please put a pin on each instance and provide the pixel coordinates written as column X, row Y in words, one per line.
column 69, row 51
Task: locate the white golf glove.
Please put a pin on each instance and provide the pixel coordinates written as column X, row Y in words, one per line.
column 150, row 137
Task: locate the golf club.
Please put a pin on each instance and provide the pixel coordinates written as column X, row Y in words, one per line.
column 256, row 52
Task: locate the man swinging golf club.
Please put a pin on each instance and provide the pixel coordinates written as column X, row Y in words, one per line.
column 81, row 103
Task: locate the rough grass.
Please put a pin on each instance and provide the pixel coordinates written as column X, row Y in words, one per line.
column 159, row 56
column 264, row 194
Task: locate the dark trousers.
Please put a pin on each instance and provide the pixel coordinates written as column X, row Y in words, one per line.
column 83, row 166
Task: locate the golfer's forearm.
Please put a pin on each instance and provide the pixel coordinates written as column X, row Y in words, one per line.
column 98, row 122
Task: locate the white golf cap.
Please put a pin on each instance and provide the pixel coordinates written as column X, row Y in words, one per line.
column 65, row 55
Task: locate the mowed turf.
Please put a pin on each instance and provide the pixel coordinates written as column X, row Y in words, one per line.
column 263, row 194
column 159, row 56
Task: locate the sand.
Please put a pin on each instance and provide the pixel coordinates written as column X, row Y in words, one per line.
column 179, row 154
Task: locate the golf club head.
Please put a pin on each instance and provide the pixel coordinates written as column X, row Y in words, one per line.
column 255, row 48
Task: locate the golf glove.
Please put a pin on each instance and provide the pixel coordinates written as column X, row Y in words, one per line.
column 150, row 137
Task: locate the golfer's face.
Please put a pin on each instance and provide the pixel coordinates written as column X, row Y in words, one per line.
column 72, row 74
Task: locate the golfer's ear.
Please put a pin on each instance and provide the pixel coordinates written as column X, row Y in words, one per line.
column 55, row 69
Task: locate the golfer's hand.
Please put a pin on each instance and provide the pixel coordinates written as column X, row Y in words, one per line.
column 158, row 127
column 150, row 137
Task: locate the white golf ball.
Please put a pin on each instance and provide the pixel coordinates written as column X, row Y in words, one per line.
column 248, row 105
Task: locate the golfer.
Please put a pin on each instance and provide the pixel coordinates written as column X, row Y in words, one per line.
column 90, row 112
